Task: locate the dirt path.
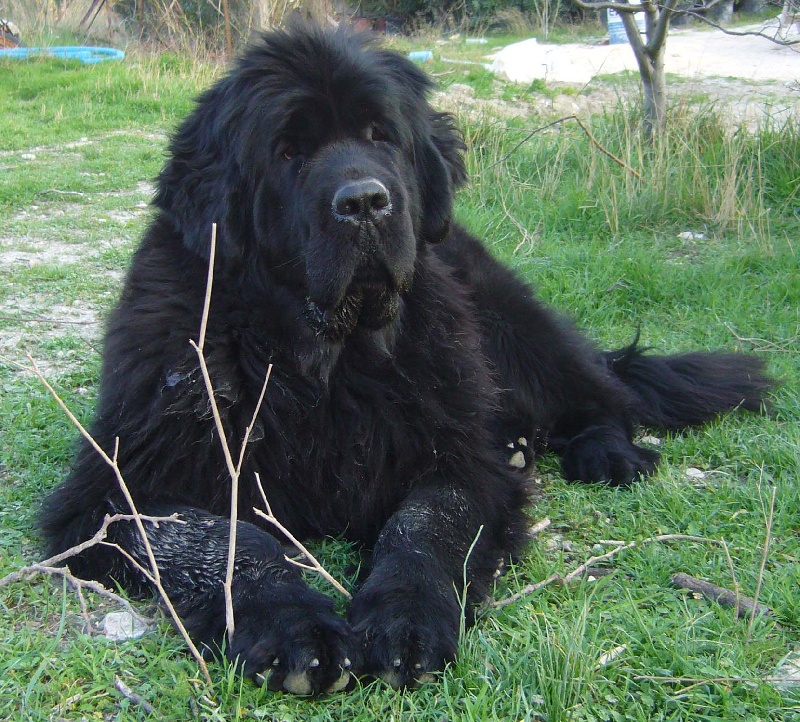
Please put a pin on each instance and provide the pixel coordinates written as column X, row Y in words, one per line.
column 689, row 53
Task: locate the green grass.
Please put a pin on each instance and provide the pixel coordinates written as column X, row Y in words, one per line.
column 599, row 244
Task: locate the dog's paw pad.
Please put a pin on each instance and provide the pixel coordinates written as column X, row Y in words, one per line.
column 298, row 683
column 518, row 453
column 343, row 680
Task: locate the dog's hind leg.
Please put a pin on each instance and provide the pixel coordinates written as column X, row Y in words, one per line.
column 583, row 403
column 555, row 387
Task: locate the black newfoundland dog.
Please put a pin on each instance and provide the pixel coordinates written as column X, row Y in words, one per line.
column 409, row 368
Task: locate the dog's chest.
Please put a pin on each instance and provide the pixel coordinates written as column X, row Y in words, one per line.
column 349, row 454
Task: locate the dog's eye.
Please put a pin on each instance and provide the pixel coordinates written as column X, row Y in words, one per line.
column 377, row 134
column 289, row 153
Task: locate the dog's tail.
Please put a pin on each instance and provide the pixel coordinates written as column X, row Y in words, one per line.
column 673, row 392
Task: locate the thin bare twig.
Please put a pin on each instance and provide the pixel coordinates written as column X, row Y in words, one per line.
column 767, row 541
column 233, row 470
column 209, row 285
column 773, row 37
column 98, row 537
column 462, row 623
column 75, row 582
column 710, row 680
column 762, row 345
column 317, row 567
column 736, row 589
column 227, row 585
column 583, row 568
column 135, row 698
column 594, row 141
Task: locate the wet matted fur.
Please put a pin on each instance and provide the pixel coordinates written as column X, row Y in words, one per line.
column 405, row 361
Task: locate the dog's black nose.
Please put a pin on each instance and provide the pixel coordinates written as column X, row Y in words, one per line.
column 360, row 200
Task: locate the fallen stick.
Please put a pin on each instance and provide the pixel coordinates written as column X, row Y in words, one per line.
column 744, row 605
column 589, row 564
column 135, row 698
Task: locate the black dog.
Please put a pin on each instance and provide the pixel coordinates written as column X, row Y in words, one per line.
column 405, row 360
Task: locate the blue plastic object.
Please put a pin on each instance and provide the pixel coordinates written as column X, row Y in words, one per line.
column 421, row 56
column 68, row 52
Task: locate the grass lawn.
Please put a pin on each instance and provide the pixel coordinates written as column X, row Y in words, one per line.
column 79, row 146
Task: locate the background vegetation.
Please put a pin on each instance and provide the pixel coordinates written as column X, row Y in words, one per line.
column 76, row 153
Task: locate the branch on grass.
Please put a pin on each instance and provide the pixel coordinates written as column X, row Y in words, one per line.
column 765, row 346
column 584, row 568
column 135, row 698
column 313, row 563
column 594, row 141
column 695, row 681
column 744, row 606
column 79, row 584
column 137, row 518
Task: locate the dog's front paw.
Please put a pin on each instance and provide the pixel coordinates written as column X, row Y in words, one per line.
column 296, row 643
column 406, row 625
column 605, row 454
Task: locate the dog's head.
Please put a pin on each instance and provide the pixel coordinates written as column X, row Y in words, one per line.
column 324, row 166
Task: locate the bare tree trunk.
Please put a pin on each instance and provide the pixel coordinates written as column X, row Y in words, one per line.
column 654, row 86
column 649, row 51
column 319, row 10
column 262, row 14
column 650, row 59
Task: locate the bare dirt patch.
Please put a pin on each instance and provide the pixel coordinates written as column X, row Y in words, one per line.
column 749, row 78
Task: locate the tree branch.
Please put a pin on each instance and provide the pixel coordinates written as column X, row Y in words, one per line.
column 315, row 565
column 774, row 37
column 592, row 139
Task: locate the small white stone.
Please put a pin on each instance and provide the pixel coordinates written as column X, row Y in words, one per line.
column 119, row 626
column 609, row 657
column 693, row 473
column 787, row 674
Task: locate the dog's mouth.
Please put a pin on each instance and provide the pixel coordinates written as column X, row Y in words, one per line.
column 370, row 305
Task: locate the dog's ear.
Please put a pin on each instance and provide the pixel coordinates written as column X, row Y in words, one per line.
column 201, row 183
column 441, row 170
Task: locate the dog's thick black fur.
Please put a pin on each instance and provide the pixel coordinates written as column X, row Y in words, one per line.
column 405, row 359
